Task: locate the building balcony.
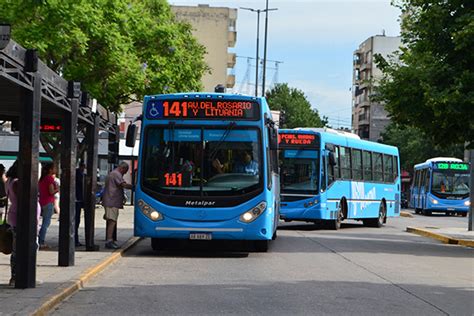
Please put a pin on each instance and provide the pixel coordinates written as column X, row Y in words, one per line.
column 231, row 60
column 230, row 81
column 364, row 103
column 364, row 83
column 365, row 66
column 231, row 38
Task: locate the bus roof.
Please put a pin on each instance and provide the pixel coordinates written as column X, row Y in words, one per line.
column 343, row 138
column 437, row 159
column 209, row 95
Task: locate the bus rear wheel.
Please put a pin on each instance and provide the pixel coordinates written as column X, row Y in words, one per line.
column 377, row 222
column 261, row 245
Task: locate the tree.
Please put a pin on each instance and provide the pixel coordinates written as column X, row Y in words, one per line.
column 415, row 146
column 297, row 110
column 431, row 87
column 118, row 49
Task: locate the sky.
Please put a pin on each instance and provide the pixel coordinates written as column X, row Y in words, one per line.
column 314, row 40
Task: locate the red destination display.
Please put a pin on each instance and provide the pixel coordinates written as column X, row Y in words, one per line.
column 297, row 140
column 202, row 109
column 50, row 127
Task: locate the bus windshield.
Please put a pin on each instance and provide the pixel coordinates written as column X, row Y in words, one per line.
column 201, row 161
column 299, row 171
column 450, row 183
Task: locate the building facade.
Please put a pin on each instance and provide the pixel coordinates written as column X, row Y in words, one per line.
column 369, row 117
column 215, row 29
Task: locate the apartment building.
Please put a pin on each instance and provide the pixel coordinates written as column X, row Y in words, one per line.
column 369, row 117
column 215, row 28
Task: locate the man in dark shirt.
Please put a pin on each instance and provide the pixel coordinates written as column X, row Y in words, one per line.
column 79, row 199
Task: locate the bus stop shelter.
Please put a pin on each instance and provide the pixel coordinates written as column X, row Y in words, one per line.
column 31, row 93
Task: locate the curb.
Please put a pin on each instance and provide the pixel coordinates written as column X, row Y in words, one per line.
column 76, row 285
column 443, row 238
column 405, row 214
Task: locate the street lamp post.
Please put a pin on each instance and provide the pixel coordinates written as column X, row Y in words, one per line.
column 258, row 11
column 265, row 47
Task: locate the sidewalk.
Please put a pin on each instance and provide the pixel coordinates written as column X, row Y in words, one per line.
column 447, row 235
column 56, row 280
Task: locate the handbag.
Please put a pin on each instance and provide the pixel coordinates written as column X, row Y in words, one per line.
column 6, row 235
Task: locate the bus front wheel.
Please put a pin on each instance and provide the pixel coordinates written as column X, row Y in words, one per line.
column 261, row 245
column 158, row 244
column 335, row 224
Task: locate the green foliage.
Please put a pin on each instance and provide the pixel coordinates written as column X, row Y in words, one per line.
column 415, row 146
column 430, row 87
column 120, row 50
column 296, row 108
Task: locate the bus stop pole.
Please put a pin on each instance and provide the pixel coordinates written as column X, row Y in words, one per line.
column 91, row 183
column 68, row 186
column 27, row 224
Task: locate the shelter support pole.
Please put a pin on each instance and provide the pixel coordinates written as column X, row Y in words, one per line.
column 68, row 187
column 27, row 225
column 470, row 226
column 92, row 140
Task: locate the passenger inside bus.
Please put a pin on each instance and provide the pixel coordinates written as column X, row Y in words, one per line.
column 244, row 164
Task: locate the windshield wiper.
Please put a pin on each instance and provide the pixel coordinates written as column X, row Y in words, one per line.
column 221, row 141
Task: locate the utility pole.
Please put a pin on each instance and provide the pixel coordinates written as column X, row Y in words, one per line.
column 265, row 47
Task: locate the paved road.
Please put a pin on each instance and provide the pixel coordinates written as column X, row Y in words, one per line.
column 357, row 270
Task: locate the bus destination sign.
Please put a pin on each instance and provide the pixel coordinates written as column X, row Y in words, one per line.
column 297, row 140
column 202, row 109
column 452, row 166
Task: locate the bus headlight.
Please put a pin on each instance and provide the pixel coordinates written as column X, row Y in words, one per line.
column 467, row 203
column 252, row 215
column 149, row 211
column 434, row 201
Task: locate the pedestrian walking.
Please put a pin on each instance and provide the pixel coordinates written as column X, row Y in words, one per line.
column 11, row 189
column 47, row 188
column 79, row 199
column 112, row 200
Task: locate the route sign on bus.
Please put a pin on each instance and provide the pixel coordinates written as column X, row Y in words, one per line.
column 297, row 140
column 452, row 166
column 202, row 109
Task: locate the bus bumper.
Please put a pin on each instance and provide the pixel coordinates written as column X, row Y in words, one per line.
column 260, row 229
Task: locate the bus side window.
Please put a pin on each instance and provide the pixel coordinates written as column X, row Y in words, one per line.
column 356, row 164
column 378, row 170
column 387, row 168
column 367, row 165
column 395, row 168
column 345, row 163
column 427, row 180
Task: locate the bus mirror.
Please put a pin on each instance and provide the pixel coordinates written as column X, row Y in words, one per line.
column 273, row 142
column 332, row 159
column 131, row 135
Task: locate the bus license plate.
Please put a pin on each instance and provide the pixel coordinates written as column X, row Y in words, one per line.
column 200, row 236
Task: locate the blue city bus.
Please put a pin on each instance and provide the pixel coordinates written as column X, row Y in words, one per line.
column 328, row 176
column 441, row 185
column 207, row 169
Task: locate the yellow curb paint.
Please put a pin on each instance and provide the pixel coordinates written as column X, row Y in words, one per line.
column 405, row 214
column 443, row 238
column 56, row 299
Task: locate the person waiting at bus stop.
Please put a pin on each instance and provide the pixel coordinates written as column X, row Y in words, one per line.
column 79, row 200
column 112, row 200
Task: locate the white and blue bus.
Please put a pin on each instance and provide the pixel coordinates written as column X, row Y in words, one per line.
column 441, row 185
column 328, row 175
column 207, row 169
